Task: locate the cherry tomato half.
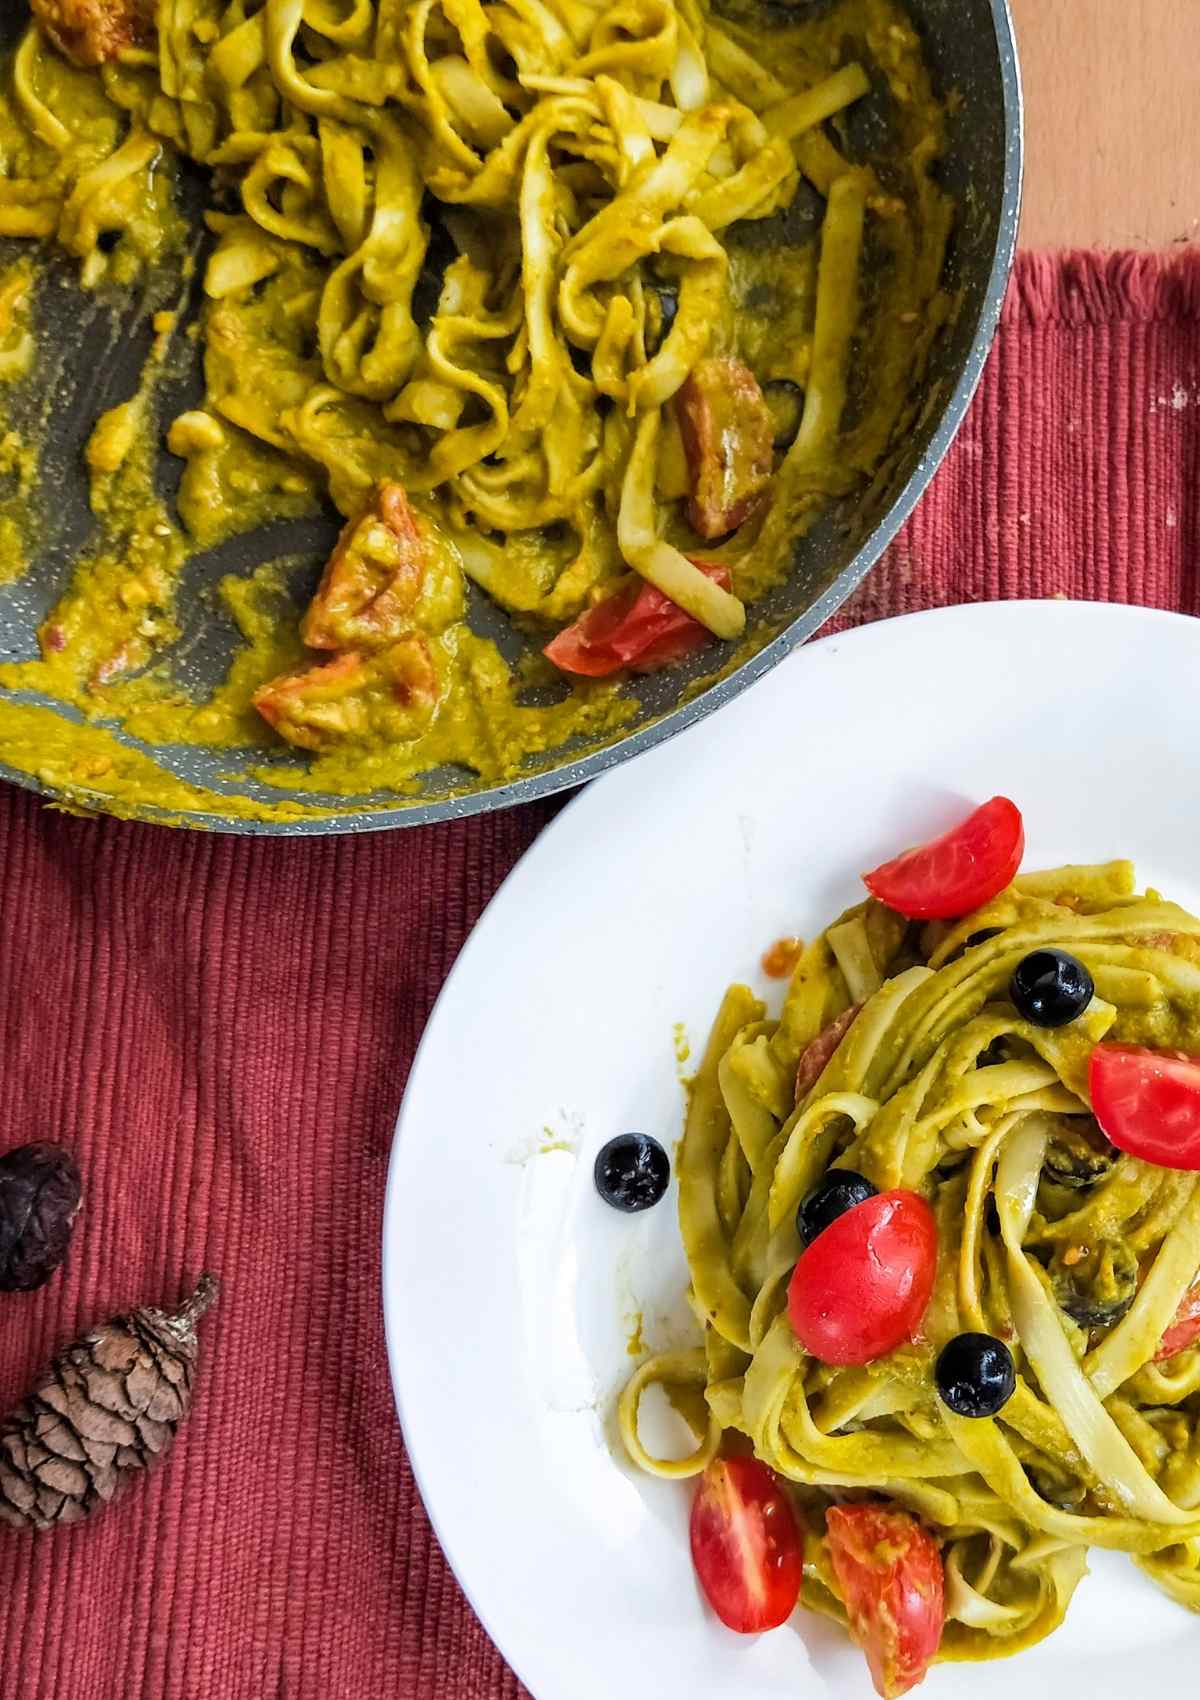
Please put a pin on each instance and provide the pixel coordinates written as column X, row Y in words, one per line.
column 1148, row 1103
column 953, row 874
column 861, row 1288
column 746, row 1545
column 637, row 626
column 890, row 1574
column 1185, row 1330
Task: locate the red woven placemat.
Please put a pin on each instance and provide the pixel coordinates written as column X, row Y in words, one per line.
column 222, row 1030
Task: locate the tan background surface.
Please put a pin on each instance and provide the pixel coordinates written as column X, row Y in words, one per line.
column 1112, row 91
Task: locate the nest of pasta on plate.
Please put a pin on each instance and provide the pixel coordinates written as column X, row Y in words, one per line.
column 942, row 1222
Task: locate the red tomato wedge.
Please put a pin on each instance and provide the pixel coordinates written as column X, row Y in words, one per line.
column 636, row 627
column 953, row 874
column 726, row 429
column 861, row 1288
column 1148, row 1103
column 95, row 31
column 892, row 1582
column 1185, row 1330
column 746, row 1545
column 372, row 579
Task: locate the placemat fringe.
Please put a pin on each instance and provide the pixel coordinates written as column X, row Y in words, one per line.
column 1093, row 288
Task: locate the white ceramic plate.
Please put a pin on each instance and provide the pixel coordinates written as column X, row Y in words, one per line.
column 511, row 1291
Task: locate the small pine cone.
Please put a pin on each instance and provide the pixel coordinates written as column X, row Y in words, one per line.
column 107, row 1408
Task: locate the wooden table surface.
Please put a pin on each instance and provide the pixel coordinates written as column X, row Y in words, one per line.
column 1112, row 92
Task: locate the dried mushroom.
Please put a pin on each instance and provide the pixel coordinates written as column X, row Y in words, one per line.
column 40, row 1195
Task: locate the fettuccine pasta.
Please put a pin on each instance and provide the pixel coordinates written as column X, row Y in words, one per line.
column 899, row 1056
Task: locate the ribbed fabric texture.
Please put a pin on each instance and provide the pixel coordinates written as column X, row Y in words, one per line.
column 222, row 1028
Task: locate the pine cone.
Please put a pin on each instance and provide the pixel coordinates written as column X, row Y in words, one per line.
column 107, row 1408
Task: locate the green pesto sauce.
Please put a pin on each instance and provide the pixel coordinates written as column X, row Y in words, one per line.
column 93, row 770
column 18, row 458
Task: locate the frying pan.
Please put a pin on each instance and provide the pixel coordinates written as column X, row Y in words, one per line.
column 92, row 351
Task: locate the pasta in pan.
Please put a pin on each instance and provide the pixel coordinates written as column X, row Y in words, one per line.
column 900, row 1060
column 602, row 289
